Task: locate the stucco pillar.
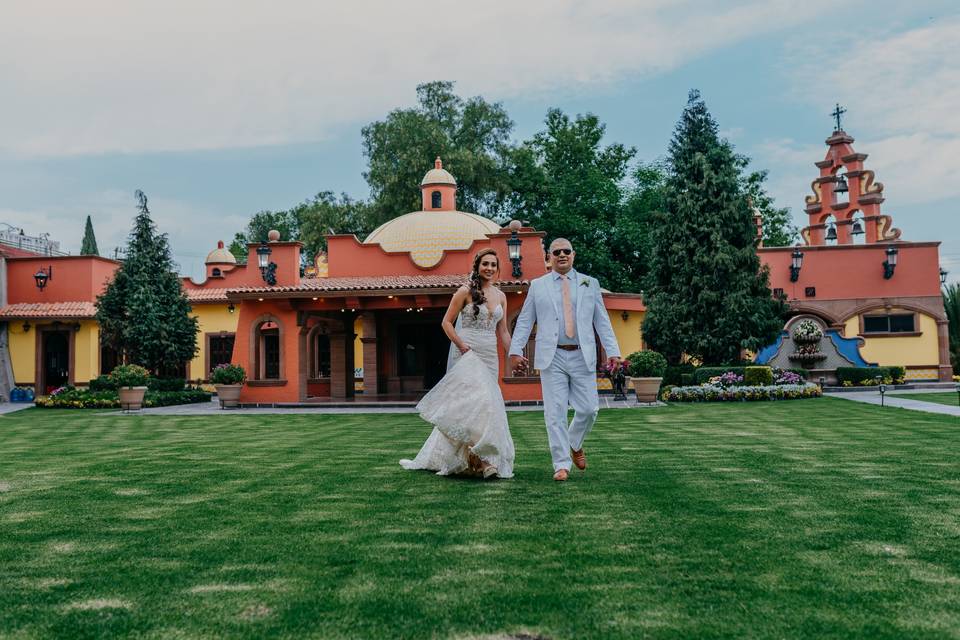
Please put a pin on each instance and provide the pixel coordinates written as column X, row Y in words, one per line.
column 943, row 344
column 369, row 340
column 341, row 361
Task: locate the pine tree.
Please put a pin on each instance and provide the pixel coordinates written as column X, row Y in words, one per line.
column 144, row 312
column 707, row 295
column 89, row 245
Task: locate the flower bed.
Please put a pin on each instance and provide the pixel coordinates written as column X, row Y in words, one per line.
column 711, row 393
column 71, row 398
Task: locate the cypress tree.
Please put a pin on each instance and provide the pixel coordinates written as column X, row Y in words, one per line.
column 89, row 245
column 707, row 295
column 144, row 312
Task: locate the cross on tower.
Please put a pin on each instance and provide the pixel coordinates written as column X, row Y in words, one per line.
column 837, row 112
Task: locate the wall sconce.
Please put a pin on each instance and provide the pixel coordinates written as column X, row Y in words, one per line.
column 268, row 270
column 41, row 277
column 624, row 315
column 231, row 308
column 943, row 275
column 890, row 263
column 26, row 327
column 796, row 262
column 513, row 248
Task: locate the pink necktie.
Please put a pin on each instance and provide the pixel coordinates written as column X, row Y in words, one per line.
column 567, row 307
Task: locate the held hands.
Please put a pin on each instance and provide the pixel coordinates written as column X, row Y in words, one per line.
column 518, row 364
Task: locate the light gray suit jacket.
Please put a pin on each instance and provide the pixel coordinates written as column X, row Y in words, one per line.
column 544, row 307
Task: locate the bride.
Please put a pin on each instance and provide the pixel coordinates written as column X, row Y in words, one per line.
column 470, row 433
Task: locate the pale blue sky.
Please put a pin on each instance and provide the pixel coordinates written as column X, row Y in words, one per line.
column 218, row 112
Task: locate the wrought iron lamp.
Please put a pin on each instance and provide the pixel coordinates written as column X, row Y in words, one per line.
column 890, row 263
column 231, row 308
column 26, row 327
column 42, row 276
column 513, row 248
column 943, row 275
column 625, row 315
column 796, row 262
column 268, row 270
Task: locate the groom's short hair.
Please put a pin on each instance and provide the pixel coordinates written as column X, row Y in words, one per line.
column 557, row 241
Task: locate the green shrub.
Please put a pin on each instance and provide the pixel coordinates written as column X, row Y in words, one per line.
column 646, row 364
column 860, row 375
column 85, row 399
column 228, row 374
column 102, row 383
column 687, row 379
column 129, row 375
column 703, row 374
column 899, row 374
column 757, row 376
column 166, row 384
column 675, row 372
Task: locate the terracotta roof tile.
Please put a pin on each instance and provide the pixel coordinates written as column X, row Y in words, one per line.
column 207, row 295
column 49, row 310
column 371, row 283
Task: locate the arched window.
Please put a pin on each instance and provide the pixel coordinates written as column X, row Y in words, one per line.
column 215, row 272
column 435, row 199
column 267, row 349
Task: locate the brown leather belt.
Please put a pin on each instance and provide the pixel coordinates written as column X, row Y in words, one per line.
column 568, row 347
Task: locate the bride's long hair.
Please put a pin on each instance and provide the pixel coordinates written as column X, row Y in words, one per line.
column 476, row 283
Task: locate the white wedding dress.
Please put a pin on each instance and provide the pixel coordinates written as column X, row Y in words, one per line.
column 466, row 407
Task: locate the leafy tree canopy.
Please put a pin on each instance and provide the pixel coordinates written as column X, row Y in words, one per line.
column 144, row 313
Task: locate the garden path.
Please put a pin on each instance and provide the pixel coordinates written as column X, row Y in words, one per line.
column 873, row 397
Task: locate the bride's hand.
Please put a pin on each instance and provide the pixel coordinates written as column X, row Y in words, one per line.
column 463, row 348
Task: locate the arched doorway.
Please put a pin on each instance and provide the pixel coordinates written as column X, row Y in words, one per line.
column 54, row 360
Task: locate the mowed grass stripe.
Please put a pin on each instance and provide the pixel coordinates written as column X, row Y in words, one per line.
column 821, row 518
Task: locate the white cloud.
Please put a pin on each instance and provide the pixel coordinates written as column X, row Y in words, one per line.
column 135, row 76
column 902, row 93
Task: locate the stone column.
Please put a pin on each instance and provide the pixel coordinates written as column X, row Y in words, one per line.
column 369, row 340
column 341, row 361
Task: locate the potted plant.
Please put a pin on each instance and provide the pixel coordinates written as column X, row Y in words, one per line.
column 131, row 383
column 646, row 374
column 228, row 380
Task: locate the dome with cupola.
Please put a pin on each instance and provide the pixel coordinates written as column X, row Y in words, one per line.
column 220, row 255
column 437, row 228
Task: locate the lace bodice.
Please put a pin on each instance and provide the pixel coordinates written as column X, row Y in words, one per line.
column 484, row 321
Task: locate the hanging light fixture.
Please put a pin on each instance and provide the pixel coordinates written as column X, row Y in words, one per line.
column 943, row 276
column 796, row 262
column 857, row 229
column 832, row 232
column 41, row 277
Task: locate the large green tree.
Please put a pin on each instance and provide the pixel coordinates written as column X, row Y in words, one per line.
column 326, row 214
column 144, row 313
column 578, row 194
column 778, row 227
column 951, row 303
column 472, row 136
column 286, row 222
column 88, row 247
column 707, row 295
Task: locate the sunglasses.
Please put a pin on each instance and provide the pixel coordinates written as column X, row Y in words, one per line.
column 566, row 252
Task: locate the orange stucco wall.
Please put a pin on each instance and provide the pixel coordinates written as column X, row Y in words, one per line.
column 75, row 278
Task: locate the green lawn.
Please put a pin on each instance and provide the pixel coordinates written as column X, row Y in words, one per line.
column 951, row 399
column 817, row 518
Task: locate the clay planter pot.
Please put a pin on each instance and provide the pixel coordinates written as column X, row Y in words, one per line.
column 646, row 388
column 229, row 395
column 131, row 398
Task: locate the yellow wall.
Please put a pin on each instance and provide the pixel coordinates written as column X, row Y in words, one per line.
column 906, row 351
column 86, row 363
column 22, row 352
column 213, row 319
column 629, row 334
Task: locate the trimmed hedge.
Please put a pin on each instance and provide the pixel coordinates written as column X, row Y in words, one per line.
column 166, row 384
column 703, row 374
column 102, row 383
column 862, row 375
column 757, row 376
column 72, row 398
column 675, row 373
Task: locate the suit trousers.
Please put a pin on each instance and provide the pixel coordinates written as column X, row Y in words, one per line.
column 567, row 381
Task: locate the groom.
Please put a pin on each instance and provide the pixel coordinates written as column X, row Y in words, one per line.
column 566, row 307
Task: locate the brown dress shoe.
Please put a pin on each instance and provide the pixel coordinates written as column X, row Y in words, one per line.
column 560, row 475
column 579, row 459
